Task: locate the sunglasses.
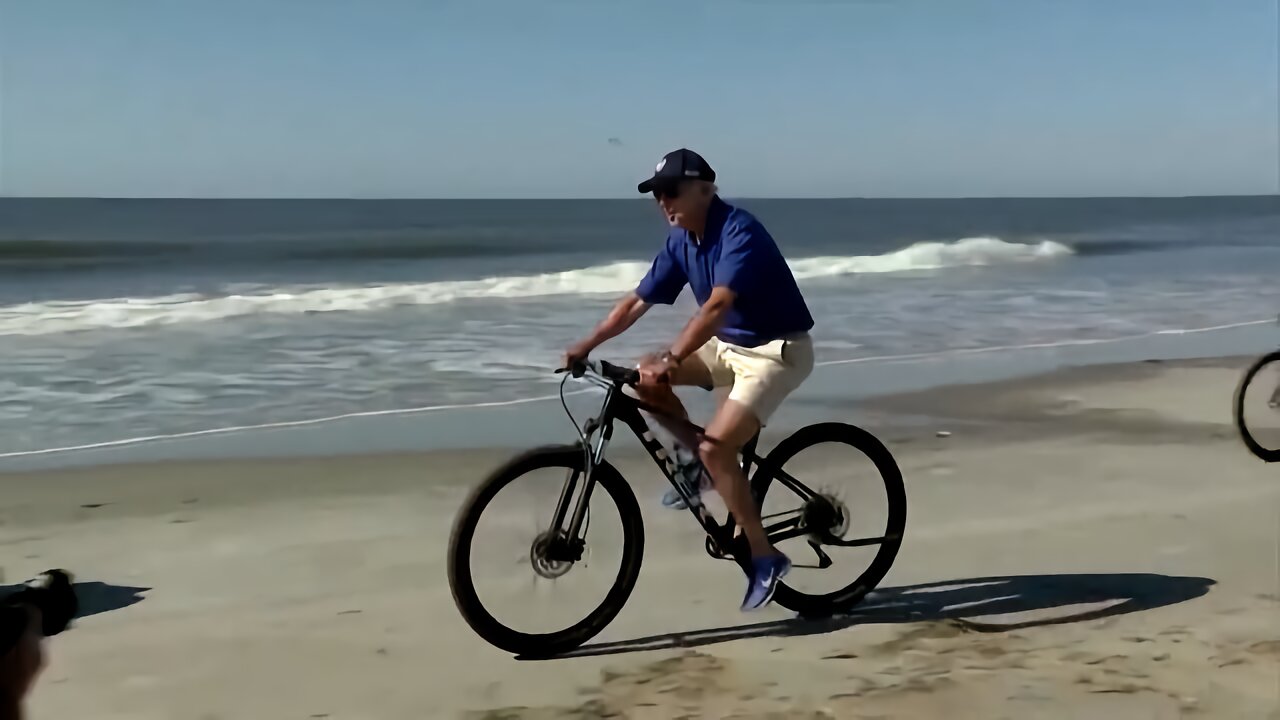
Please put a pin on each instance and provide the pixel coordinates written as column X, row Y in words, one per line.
column 670, row 192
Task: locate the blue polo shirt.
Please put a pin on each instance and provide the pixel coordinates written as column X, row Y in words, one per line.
column 738, row 253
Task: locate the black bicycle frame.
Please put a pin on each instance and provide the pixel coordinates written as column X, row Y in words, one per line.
column 619, row 406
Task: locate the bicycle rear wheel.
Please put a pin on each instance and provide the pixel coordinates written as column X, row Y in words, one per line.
column 543, row 560
column 1256, row 407
column 812, row 456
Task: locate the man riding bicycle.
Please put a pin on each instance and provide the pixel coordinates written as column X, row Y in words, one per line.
column 750, row 337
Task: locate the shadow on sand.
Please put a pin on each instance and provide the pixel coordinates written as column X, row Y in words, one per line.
column 97, row 597
column 956, row 600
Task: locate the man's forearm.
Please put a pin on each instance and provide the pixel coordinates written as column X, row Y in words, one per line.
column 700, row 328
column 623, row 315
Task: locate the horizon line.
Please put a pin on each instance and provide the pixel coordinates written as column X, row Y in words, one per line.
column 629, row 198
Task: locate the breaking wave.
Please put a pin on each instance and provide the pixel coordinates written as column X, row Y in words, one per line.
column 618, row 277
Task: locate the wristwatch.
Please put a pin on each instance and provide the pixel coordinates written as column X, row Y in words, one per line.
column 670, row 357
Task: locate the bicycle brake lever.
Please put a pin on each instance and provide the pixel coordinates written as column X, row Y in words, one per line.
column 578, row 369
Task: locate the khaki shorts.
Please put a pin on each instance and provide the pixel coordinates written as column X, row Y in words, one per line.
column 760, row 377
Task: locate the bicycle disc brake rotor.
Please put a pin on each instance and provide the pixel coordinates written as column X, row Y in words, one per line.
column 544, row 565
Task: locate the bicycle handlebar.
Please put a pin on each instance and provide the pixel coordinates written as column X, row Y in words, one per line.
column 607, row 370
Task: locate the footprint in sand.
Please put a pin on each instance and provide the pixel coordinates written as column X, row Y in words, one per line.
column 840, row 656
column 922, row 633
column 1108, row 658
column 1266, row 647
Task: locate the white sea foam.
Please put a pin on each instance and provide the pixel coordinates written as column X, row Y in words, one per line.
column 66, row 316
column 145, row 439
column 932, row 256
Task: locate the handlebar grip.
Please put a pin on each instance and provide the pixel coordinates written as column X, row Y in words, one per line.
column 616, row 373
column 629, row 376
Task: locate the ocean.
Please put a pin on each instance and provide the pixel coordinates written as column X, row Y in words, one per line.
column 123, row 319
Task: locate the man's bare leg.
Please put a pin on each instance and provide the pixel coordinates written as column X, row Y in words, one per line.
column 733, row 425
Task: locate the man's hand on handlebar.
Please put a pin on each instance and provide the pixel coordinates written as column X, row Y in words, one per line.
column 607, row 370
column 575, row 356
column 657, row 368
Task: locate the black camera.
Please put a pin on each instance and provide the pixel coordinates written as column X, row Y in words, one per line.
column 52, row 592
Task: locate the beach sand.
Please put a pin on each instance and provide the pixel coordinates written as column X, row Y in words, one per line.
column 1092, row 543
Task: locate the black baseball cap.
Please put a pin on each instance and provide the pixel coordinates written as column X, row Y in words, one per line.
column 677, row 165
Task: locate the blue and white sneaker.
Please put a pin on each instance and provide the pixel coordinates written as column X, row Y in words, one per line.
column 694, row 488
column 691, row 478
column 765, row 573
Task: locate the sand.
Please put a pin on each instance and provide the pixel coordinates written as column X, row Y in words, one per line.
column 1093, row 543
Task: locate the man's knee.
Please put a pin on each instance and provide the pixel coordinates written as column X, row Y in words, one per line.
column 717, row 455
column 732, row 427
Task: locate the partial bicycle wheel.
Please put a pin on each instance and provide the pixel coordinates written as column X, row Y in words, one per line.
column 1256, row 407
column 856, row 522
column 502, row 547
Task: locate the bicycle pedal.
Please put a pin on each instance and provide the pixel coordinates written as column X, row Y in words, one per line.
column 713, row 549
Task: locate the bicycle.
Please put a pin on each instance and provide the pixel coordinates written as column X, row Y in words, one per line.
column 823, row 518
column 1249, row 437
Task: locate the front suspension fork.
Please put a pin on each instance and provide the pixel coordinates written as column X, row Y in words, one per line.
column 568, row 544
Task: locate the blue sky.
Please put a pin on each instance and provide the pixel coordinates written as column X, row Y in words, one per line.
column 476, row 98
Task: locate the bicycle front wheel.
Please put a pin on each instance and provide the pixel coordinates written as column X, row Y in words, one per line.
column 531, row 555
column 1256, row 407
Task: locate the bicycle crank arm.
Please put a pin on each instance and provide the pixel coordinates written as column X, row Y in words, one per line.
column 714, row 550
column 732, row 547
